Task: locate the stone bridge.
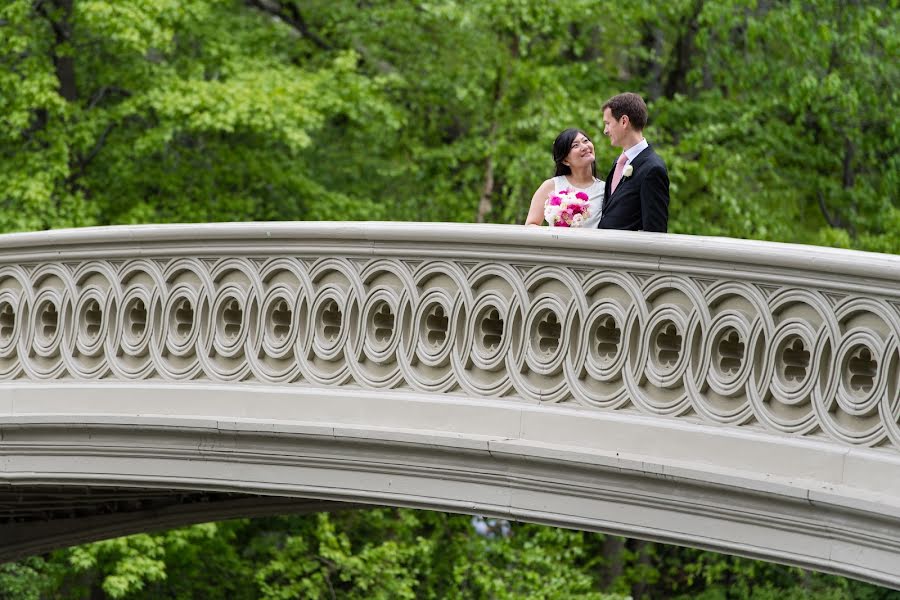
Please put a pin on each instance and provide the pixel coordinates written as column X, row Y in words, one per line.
column 733, row 395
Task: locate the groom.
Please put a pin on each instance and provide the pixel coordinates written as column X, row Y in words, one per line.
column 637, row 188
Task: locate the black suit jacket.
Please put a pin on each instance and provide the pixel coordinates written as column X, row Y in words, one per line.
column 640, row 201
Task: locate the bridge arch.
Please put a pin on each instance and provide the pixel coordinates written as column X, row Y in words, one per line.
column 733, row 395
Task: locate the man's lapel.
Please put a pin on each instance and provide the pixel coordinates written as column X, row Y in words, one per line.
column 635, row 165
column 641, row 158
column 608, row 185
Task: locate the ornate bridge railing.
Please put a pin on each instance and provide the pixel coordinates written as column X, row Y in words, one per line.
column 796, row 340
column 785, row 346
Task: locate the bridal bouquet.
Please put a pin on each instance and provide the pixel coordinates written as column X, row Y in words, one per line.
column 566, row 208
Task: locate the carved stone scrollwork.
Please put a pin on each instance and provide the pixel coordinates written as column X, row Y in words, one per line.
column 614, row 313
column 484, row 356
column 15, row 290
column 382, row 299
column 860, row 404
column 234, row 299
column 322, row 350
column 278, row 319
column 743, row 349
column 181, row 320
column 735, row 342
column 551, row 330
column 41, row 347
column 427, row 343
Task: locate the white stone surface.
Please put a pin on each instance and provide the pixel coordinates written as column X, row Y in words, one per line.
column 733, row 395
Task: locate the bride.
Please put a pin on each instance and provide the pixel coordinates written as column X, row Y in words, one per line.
column 573, row 153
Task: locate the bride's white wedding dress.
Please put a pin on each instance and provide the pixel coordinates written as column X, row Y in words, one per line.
column 595, row 198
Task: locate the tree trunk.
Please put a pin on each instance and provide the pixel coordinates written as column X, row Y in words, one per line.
column 613, row 546
column 62, row 31
column 487, row 190
column 653, row 37
column 639, row 589
column 849, row 173
column 484, row 203
column 676, row 83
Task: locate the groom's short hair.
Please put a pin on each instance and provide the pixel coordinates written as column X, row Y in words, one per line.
column 629, row 104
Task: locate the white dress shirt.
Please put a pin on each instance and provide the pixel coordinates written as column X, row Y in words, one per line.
column 632, row 152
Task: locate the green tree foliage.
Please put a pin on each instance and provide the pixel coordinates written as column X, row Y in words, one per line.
column 401, row 553
column 775, row 117
column 194, row 562
column 30, row 579
column 779, row 114
column 165, row 110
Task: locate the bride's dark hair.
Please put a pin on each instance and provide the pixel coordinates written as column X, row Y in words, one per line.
column 561, row 148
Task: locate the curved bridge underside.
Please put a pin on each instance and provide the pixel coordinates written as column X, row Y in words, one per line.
column 731, row 395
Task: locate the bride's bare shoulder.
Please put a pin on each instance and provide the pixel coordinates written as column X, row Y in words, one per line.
column 547, row 186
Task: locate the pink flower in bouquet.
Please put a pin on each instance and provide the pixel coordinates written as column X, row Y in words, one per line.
column 566, row 208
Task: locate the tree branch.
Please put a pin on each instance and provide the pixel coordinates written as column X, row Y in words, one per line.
column 832, row 221
column 653, row 37
column 676, row 83
column 849, row 173
column 62, row 29
column 101, row 141
column 289, row 14
column 104, row 92
column 484, row 202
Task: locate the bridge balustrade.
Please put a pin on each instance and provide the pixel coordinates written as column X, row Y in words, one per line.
column 790, row 346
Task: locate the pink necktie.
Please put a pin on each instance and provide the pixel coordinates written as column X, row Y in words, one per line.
column 617, row 174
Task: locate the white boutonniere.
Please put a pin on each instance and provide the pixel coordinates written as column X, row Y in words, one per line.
column 627, row 171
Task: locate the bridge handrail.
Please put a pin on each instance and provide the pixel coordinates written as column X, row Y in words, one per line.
column 795, row 340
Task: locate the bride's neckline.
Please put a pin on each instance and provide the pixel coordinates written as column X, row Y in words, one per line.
column 578, row 187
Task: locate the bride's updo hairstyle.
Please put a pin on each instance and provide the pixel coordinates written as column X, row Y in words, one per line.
column 561, row 148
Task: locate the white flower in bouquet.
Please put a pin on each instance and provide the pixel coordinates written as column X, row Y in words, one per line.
column 566, row 208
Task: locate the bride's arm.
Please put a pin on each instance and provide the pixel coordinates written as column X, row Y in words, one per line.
column 536, row 210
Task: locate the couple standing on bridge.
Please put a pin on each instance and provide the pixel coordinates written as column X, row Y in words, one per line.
column 636, row 191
